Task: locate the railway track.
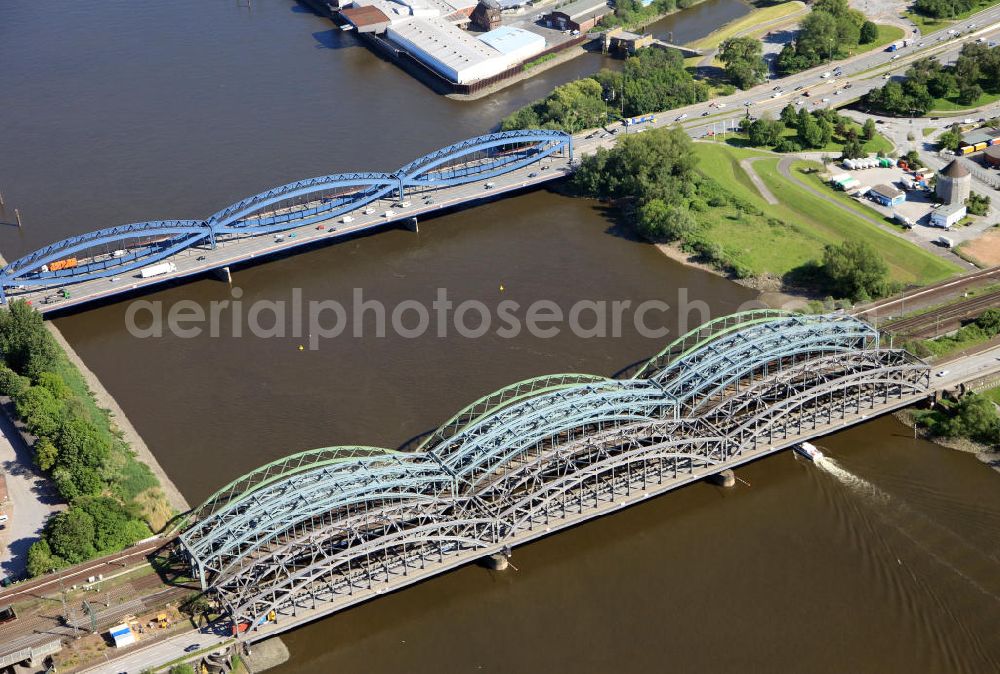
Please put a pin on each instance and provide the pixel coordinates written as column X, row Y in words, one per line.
column 927, row 295
column 945, row 319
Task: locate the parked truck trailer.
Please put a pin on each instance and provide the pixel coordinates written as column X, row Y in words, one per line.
column 158, row 269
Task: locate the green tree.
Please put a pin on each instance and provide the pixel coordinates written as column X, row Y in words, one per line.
column 55, row 384
column 973, row 417
column 989, row 321
column 11, row 383
column 855, row 270
column 869, row 32
column 789, row 115
column 71, row 535
column 658, row 164
column 853, row 149
column 868, row 130
column 41, row 411
column 41, row 559
column 744, row 61
column 658, row 221
column 951, row 138
column 26, row 345
column 46, row 454
column 968, row 94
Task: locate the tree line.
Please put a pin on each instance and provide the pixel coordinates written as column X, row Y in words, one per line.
column 976, row 71
column 113, row 498
column 651, row 81
column 830, row 31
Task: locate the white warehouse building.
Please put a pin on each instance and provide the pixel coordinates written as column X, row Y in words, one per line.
column 447, row 49
column 516, row 44
column 459, row 56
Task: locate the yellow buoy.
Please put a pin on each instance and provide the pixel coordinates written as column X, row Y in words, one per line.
column 501, row 287
column 301, row 347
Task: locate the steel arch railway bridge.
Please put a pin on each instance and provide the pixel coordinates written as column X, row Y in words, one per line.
column 325, row 529
column 246, row 229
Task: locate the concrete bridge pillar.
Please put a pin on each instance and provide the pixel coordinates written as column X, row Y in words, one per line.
column 224, row 274
column 411, row 224
column 726, row 478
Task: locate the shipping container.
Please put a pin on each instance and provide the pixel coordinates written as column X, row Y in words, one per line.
column 68, row 263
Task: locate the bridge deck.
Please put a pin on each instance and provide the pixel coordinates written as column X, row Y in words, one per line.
column 631, row 489
column 202, row 259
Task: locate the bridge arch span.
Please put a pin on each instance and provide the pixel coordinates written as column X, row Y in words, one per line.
column 115, row 250
column 492, row 155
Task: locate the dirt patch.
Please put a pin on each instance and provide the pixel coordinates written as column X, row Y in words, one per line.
column 986, row 249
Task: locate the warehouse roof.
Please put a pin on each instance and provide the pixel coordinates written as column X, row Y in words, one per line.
column 582, row 7
column 362, row 17
column 507, row 39
column 982, row 135
column 446, row 43
column 887, row 191
column 949, row 209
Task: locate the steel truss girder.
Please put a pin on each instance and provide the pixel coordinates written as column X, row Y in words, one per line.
column 494, row 402
column 704, row 333
column 541, row 451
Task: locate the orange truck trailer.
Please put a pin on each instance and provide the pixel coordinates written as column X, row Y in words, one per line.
column 68, row 263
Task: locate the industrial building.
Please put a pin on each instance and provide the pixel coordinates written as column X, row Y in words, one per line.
column 429, row 32
column 581, row 15
column 887, row 195
column 954, row 183
column 516, row 45
column 947, row 215
column 459, row 56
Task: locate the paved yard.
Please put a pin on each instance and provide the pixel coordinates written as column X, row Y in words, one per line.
column 31, row 499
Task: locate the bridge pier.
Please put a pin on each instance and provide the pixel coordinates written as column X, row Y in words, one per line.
column 726, row 478
column 412, row 225
column 224, row 274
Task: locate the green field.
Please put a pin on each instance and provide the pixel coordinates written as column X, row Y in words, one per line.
column 886, row 34
column 928, row 25
column 792, row 233
column 949, row 104
column 747, row 23
column 877, row 144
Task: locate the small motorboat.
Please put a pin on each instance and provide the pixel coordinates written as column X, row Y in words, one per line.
column 808, row 450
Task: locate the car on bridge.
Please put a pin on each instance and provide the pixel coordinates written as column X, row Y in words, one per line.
column 192, row 648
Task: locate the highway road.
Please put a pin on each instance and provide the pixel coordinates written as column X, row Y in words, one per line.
column 142, row 657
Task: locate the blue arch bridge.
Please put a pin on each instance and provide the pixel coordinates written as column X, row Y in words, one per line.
column 110, row 261
column 322, row 530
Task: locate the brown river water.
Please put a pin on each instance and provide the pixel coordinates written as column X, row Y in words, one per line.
column 886, row 559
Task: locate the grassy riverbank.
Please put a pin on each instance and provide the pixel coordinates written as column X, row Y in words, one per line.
column 114, row 498
column 785, row 237
column 748, row 23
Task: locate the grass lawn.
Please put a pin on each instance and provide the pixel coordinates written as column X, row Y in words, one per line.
column 949, row 103
column 747, row 22
column 886, row 34
column 929, row 25
column 877, row 144
column 928, row 131
column 993, row 394
column 790, row 234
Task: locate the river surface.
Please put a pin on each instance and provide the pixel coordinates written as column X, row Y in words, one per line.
column 885, row 560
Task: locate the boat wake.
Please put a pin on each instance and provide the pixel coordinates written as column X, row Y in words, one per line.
column 849, row 479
